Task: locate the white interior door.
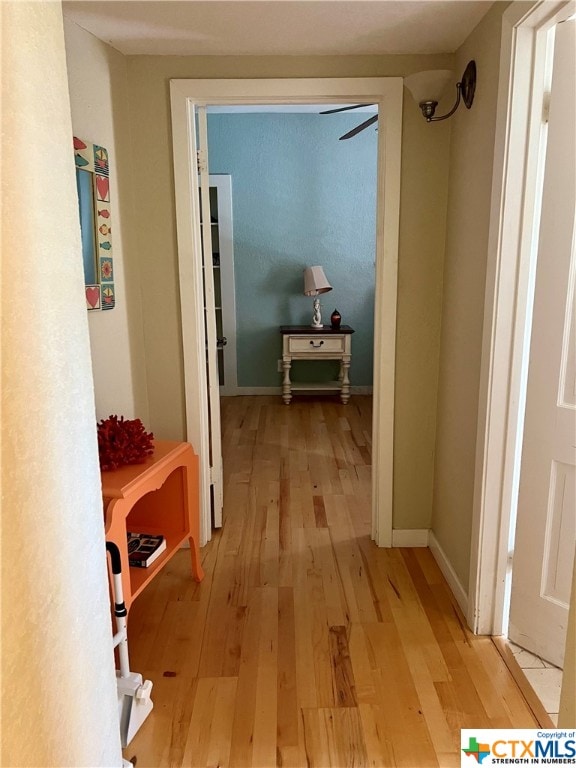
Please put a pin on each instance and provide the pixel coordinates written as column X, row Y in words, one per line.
column 545, row 529
column 215, row 440
column 224, row 283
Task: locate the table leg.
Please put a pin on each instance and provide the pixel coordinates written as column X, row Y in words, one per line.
column 192, row 513
column 286, row 383
column 345, row 391
column 197, row 570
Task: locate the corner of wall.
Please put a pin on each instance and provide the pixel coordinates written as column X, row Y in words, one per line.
column 98, row 88
column 468, row 222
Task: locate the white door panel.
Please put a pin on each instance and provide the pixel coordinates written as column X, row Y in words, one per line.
column 546, row 528
column 223, row 247
column 215, row 439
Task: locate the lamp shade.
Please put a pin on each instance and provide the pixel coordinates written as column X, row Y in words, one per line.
column 315, row 281
column 428, row 86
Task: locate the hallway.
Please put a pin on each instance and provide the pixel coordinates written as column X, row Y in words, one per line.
column 306, row 645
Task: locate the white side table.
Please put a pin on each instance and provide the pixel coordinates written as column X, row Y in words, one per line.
column 303, row 342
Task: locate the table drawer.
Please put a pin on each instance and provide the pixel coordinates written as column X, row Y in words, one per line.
column 316, row 344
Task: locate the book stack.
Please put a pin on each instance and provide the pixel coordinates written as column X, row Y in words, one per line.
column 144, row 548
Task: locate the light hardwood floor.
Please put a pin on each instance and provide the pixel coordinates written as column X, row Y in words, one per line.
column 306, row 645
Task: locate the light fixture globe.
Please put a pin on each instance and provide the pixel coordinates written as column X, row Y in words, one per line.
column 428, row 87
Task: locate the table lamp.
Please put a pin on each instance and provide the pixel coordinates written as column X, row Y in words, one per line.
column 315, row 282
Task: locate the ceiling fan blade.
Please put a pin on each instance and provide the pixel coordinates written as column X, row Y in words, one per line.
column 354, row 131
column 345, row 109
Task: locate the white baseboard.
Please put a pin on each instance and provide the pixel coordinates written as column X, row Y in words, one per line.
column 241, row 391
column 408, row 537
column 449, row 573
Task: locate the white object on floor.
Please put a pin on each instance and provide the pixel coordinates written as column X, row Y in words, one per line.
column 134, row 702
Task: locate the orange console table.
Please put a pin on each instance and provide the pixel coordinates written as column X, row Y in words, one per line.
column 159, row 496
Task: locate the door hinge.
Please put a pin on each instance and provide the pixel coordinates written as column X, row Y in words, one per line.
column 546, row 107
column 202, row 160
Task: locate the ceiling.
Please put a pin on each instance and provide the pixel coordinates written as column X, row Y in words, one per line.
column 278, row 27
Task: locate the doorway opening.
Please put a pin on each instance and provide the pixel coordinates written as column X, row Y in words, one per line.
column 288, row 190
column 187, row 97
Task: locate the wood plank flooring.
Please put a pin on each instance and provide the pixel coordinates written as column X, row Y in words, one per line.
column 306, row 645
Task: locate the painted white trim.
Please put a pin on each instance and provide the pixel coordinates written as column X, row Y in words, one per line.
column 410, row 537
column 247, row 391
column 361, row 390
column 192, row 302
column 449, row 573
column 386, row 296
column 241, row 391
column 312, row 109
column 507, row 304
column 387, row 93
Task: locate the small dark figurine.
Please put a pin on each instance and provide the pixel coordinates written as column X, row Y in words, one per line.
column 335, row 319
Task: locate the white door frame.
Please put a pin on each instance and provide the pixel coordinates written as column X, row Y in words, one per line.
column 386, row 92
column 513, row 241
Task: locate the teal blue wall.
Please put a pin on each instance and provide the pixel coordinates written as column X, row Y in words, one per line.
column 300, row 197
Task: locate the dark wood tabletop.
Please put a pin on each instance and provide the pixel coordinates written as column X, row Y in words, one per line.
column 307, row 329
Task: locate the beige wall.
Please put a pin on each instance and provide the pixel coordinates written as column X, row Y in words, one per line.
column 99, row 103
column 424, row 190
column 59, row 705
column 423, row 199
column 469, row 197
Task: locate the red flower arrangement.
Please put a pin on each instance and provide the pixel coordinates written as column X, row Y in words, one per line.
column 123, row 441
